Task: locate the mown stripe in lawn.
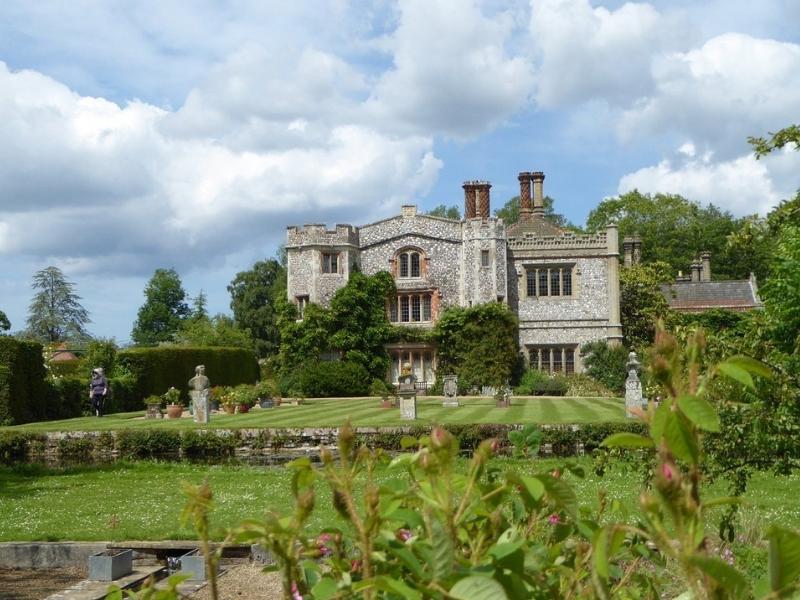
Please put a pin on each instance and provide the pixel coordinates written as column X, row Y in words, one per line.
column 581, row 410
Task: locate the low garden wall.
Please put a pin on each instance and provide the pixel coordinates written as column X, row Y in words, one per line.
column 557, row 440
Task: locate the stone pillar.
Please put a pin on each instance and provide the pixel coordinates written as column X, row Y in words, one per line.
column 200, row 404
column 627, row 250
column 705, row 257
column 450, row 391
column 525, row 206
column 633, row 388
column 637, row 249
column 612, row 266
column 469, row 199
column 484, row 205
column 697, row 269
column 538, row 193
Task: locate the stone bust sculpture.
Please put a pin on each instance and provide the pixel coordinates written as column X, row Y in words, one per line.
column 199, row 382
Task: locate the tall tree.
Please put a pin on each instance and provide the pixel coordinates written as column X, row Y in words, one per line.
column 254, row 294
column 218, row 330
column 509, row 212
column 199, row 304
column 675, row 230
column 445, row 212
column 163, row 311
column 5, row 324
column 55, row 314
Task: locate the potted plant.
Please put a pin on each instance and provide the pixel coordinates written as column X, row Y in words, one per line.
column 215, row 397
column 246, row 397
column 174, row 405
column 266, row 390
column 153, row 404
column 227, row 400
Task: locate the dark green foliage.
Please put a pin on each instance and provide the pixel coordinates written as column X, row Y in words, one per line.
column 123, row 396
column 55, row 314
column 163, row 311
column 479, row 344
column 67, row 368
column 68, row 397
column 201, row 444
column 606, row 364
column 529, row 379
column 675, row 230
column 536, row 383
column 218, row 330
column 76, row 448
column 148, row 443
column 355, row 325
column 5, row 324
column 445, row 212
column 23, row 393
column 254, row 297
column 787, row 136
column 100, row 353
column 155, row 370
column 641, row 302
column 510, row 214
column 714, row 320
column 15, row 445
column 331, row 379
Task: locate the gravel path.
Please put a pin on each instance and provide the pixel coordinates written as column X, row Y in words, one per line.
column 35, row 584
column 245, row 582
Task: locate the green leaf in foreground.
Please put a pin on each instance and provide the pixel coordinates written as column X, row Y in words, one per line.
column 737, row 372
column 784, row 557
column 627, row 440
column 476, row 587
column 699, row 411
column 722, row 572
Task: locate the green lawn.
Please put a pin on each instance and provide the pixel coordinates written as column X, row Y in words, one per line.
column 368, row 412
column 145, row 500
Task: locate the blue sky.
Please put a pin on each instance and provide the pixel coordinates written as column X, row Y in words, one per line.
column 141, row 135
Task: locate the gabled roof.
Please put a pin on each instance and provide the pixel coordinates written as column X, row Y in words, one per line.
column 698, row 296
column 537, row 226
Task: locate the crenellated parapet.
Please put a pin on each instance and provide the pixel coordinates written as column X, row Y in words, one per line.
column 319, row 235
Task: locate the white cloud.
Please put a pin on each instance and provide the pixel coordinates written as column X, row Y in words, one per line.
column 586, row 52
column 742, row 185
column 451, row 72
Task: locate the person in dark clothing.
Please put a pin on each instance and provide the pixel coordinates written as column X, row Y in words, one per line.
column 98, row 389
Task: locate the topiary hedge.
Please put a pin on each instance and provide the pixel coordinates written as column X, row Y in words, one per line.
column 23, row 392
column 155, row 370
column 330, row 379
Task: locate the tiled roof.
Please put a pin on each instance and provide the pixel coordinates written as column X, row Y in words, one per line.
column 697, row 296
column 536, row 225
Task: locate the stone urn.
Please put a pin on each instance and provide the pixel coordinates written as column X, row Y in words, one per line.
column 229, row 408
column 174, row 411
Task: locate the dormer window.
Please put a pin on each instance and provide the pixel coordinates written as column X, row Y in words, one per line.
column 408, row 264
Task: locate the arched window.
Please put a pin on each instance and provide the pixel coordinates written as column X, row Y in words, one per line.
column 409, row 264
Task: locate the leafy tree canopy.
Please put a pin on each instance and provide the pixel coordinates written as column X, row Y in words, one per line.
column 254, row 296
column 641, row 302
column 787, row 136
column 163, row 311
column 219, row 330
column 675, row 230
column 5, row 324
column 55, row 314
column 446, row 212
column 510, row 213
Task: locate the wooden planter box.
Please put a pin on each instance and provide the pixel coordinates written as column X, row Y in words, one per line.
column 110, row 565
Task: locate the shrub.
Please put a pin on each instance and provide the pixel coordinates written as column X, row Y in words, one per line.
column 379, row 389
column 197, row 444
column 246, row 395
column 158, row 369
column 528, row 381
column 582, row 385
column 23, row 391
column 68, row 397
column 76, row 447
column 324, row 379
column 147, row 443
column 606, row 364
column 14, row 445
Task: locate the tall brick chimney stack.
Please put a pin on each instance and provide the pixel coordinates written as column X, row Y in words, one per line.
column 525, row 206
column 538, row 194
column 469, row 199
column 706, row 273
column 484, row 204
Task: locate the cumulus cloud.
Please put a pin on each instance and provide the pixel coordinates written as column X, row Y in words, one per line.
column 586, row 52
column 451, row 72
column 742, row 185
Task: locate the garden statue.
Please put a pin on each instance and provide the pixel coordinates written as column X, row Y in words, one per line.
column 450, row 391
column 199, row 390
column 407, row 393
column 502, row 396
column 633, row 387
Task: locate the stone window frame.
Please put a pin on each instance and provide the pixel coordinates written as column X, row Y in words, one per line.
column 561, row 358
column 301, row 301
column 409, row 253
column 411, row 307
column 326, row 263
column 485, row 259
column 562, row 274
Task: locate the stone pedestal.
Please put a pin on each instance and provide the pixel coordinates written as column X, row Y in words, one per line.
column 633, row 387
column 154, row 411
column 450, row 391
column 201, row 405
column 408, row 406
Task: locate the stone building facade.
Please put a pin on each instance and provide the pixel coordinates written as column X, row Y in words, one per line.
column 564, row 287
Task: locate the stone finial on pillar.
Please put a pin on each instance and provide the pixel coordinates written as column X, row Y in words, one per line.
column 525, row 206
column 705, row 257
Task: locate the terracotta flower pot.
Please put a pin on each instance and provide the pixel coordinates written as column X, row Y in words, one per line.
column 174, row 411
column 243, row 408
column 229, row 408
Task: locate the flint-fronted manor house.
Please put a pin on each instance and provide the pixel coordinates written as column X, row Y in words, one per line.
column 564, row 287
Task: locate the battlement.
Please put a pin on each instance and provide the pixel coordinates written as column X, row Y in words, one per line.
column 483, row 229
column 316, row 234
column 567, row 241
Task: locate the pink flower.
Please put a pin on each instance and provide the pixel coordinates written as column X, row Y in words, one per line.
column 295, row 594
column 554, row 519
column 668, row 471
column 403, row 535
column 322, row 544
column 555, row 473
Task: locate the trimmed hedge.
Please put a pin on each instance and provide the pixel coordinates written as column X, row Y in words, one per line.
column 331, row 379
column 23, row 392
column 155, row 370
